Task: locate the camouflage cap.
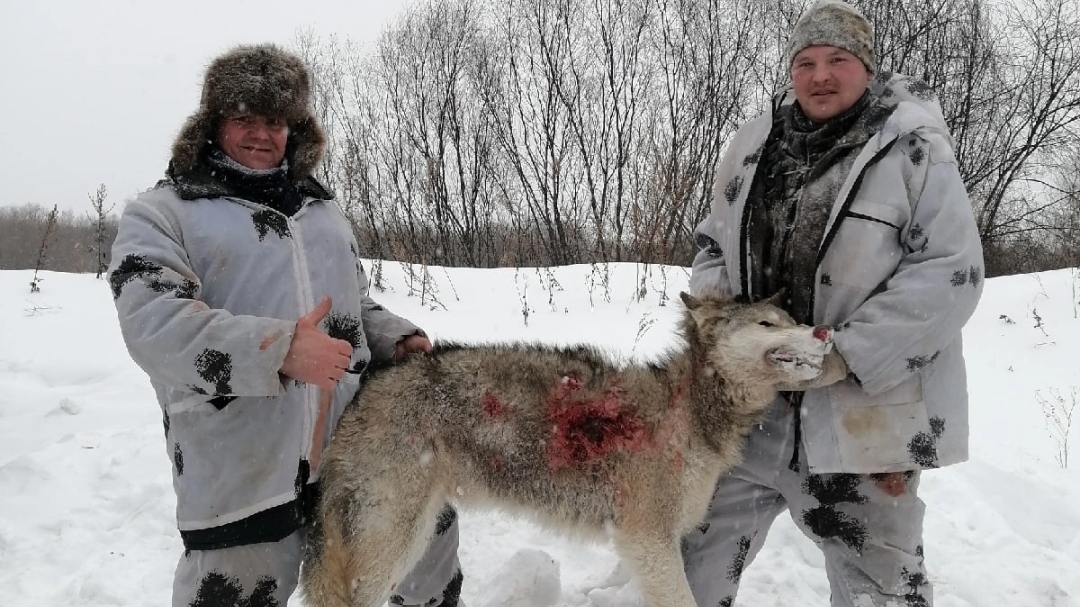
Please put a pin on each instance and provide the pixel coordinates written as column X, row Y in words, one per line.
column 834, row 23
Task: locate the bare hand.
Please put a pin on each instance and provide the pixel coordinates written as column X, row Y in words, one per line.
column 314, row 357
column 833, row 369
column 415, row 343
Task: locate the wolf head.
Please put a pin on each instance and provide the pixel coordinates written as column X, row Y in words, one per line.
column 755, row 342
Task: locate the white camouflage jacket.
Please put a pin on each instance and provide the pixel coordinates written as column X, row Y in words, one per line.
column 899, row 272
column 207, row 293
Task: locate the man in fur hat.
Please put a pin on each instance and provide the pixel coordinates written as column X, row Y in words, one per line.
column 240, row 292
column 845, row 195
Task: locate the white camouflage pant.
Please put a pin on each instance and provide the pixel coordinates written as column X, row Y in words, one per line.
column 869, row 530
column 265, row 575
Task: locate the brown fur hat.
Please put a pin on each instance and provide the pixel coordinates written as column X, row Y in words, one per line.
column 834, row 23
column 257, row 79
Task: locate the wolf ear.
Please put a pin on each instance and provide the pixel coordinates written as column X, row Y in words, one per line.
column 691, row 302
column 777, row 299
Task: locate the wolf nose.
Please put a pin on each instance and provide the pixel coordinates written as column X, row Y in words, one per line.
column 823, row 332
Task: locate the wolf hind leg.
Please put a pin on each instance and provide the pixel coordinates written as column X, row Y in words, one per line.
column 387, row 546
column 657, row 562
column 361, row 552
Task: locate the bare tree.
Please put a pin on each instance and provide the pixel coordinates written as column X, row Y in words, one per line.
column 547, row 132
column 521, row 73
column 1036, row 115
column 100, row 220
column 43, row 249
column 705, row 53
column 1008, row 75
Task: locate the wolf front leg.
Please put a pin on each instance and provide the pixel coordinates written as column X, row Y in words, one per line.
column 657, row 562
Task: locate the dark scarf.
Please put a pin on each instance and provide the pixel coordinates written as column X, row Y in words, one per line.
column 215, row 179
column 272, row 187
column 790, row 200
column 808, row 141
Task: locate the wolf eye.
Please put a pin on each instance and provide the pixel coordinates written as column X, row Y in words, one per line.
column 765, row 323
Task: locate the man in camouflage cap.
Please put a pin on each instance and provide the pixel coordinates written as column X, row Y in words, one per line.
column 846, row 196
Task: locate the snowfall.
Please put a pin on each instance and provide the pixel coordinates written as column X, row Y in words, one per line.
column 86, row 501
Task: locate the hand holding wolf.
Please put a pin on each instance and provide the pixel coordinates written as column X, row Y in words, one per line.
column 833, row 369
column 561, row 436
column 315, row 357
column 412, row 344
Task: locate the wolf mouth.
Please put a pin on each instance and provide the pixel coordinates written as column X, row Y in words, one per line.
column 784, row 356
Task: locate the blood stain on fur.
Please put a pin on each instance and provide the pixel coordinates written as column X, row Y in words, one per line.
column 585, row 429
column 493, row 407
column 678, row 463
column 218, row 590
column 215, row 368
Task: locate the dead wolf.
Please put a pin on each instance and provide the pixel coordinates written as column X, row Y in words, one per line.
column 560, row 436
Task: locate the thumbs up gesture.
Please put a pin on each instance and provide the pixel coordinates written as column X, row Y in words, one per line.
column 314, row 357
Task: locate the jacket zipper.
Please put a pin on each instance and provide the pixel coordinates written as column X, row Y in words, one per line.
column 311, row 404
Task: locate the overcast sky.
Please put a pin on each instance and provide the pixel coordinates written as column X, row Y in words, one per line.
column 95, row 90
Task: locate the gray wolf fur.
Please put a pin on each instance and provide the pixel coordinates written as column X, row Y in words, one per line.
column 559, row 436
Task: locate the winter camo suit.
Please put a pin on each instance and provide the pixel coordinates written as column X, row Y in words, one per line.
column 867, row 225
column 211, row 270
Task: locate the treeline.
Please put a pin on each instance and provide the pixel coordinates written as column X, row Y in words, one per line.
column 33, row 237
column 550, row 132
column 546, row 132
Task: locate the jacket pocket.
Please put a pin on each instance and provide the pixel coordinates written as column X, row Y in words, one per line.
column 193, row 403
column 876, row 433
column 879, row 212
column 866, row 251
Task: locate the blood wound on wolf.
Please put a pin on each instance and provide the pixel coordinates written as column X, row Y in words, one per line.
column 584, row 428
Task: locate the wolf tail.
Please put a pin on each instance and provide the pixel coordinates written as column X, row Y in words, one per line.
column 327, row 574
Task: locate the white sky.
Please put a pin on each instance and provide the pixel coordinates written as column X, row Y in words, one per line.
column 95, row 90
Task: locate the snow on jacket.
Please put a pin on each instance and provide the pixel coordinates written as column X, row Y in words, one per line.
column 899, row 272
column 207, row 293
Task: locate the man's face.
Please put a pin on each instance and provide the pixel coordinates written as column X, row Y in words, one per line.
column 254, row 141
column 827, row 80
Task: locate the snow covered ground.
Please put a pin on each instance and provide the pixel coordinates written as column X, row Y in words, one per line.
column 86, row 504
